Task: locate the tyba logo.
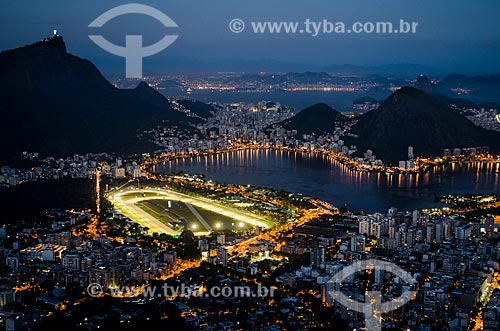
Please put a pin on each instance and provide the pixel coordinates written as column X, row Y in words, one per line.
column 133, row 52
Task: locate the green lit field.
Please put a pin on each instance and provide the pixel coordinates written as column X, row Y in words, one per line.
column 179, row 210
column 168, row 212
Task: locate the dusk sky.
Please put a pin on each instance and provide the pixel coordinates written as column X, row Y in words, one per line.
column 453, row 35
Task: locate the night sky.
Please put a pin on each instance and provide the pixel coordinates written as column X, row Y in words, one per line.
column 453, row 35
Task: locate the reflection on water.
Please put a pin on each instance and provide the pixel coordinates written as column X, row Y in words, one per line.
column 327, row 179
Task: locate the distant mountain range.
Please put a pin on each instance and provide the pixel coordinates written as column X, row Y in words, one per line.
column 486, row 86
column 307, row 77
column 410, row 117
column 424, row 84
column 56, row 103
column 182, row 64
column 464, row 104
column 317, row 119
column 395, row 70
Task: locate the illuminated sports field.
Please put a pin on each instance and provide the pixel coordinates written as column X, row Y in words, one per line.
column 166, row 211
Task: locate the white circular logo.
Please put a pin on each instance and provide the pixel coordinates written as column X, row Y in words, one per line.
column 373, row 307
column 94, row 290
column 133, row 52
column 237, row 25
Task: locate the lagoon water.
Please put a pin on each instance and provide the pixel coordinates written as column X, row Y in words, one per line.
column 327, row 179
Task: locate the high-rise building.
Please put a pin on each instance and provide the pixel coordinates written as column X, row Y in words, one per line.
column 430, row 232
column 222, row 256
column 71, row 261
column 6, row 296
column 373, row 226
column 119, row 173
column 63, row 239
column 101, row 276
column 318, row 256
column 410, row 153
column 439, row 232
column 221, row 239
column 364, row 226
column 415, row 215
column 358, row 243
column 171, row 258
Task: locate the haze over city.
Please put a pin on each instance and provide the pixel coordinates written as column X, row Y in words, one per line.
column 462, row 36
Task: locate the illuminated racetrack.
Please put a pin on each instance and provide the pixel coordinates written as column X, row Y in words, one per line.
column 131, row 204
